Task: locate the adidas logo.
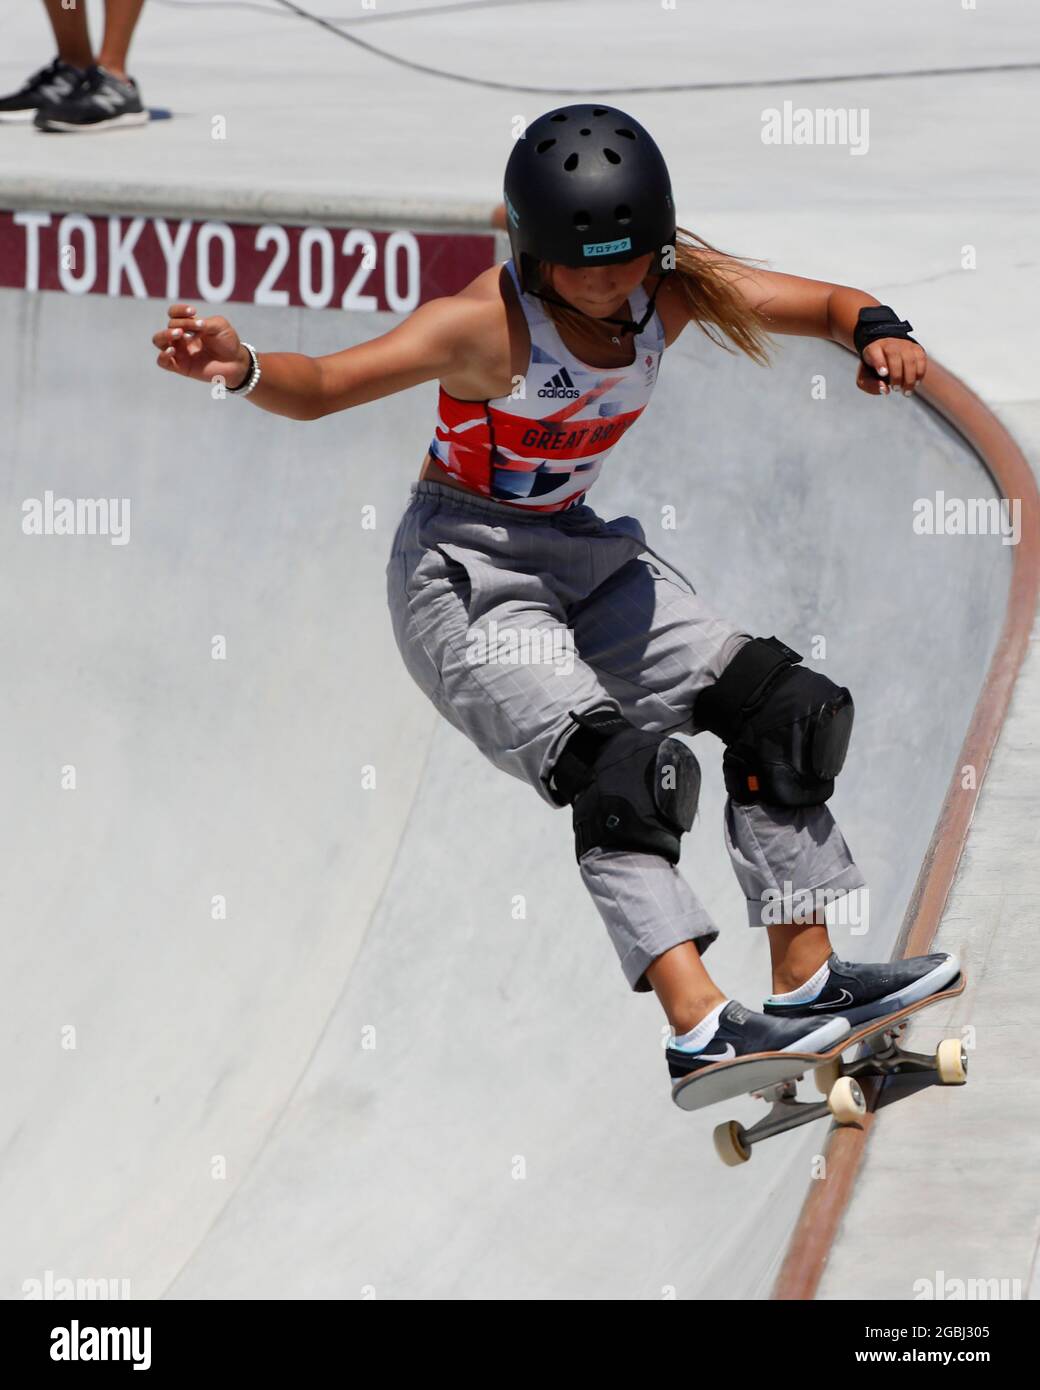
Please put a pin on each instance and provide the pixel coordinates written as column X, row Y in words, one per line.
column 560, row 387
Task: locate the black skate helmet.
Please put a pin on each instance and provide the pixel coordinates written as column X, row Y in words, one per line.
column 586, row 185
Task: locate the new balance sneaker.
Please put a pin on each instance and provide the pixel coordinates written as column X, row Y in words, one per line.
column 740, row 1032
column 48, row 87
column 860, row 992
column 100, row 102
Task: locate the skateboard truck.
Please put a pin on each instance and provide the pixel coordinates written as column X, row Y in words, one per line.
column 845, row 1103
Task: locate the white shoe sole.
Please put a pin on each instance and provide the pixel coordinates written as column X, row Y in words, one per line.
column 821, row 1038
column 931, row 983
column 126, row 122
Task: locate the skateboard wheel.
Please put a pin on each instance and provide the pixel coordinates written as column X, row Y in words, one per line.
column 827, row 1075
column 730, row 1145
column 845, row 1101
column 951, row 1062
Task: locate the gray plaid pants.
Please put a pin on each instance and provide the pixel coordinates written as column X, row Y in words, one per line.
column 509, row 620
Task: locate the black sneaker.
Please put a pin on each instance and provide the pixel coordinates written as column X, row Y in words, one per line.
column 48, row 87
column 862, row 992
column 100, row 102
column 742, row 1032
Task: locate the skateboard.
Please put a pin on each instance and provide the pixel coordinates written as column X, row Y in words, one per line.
column 774, row 1076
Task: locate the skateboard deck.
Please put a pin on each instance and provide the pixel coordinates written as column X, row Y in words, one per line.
column 774, row 1077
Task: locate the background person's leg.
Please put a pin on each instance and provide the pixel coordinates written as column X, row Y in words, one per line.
column 121, row 18
column 71, row 34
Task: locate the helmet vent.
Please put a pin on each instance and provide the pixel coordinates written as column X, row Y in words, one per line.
column 571, row 163
column 623, row 214
column 612, row 156
column 627, row 134
column 559, row 116
column 582, row 221
column 544, row 145
column 586, row 131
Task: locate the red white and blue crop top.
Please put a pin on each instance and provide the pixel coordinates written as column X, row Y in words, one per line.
column 544, row 450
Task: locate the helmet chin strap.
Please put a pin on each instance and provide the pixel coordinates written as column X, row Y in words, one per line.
column 626, row 325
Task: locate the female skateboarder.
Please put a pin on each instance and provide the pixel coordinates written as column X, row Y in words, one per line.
column 544, row 364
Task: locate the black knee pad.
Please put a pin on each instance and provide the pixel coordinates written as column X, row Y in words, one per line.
column 786, row 728
column 629, row 789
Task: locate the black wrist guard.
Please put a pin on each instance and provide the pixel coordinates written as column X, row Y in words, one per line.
column 879, row 321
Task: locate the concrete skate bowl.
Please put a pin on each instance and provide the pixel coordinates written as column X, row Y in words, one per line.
column 303, row 999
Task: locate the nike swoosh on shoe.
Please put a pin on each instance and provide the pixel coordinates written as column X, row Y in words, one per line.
column 843, row 998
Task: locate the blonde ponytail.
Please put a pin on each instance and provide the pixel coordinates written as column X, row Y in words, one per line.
column 706, row 277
